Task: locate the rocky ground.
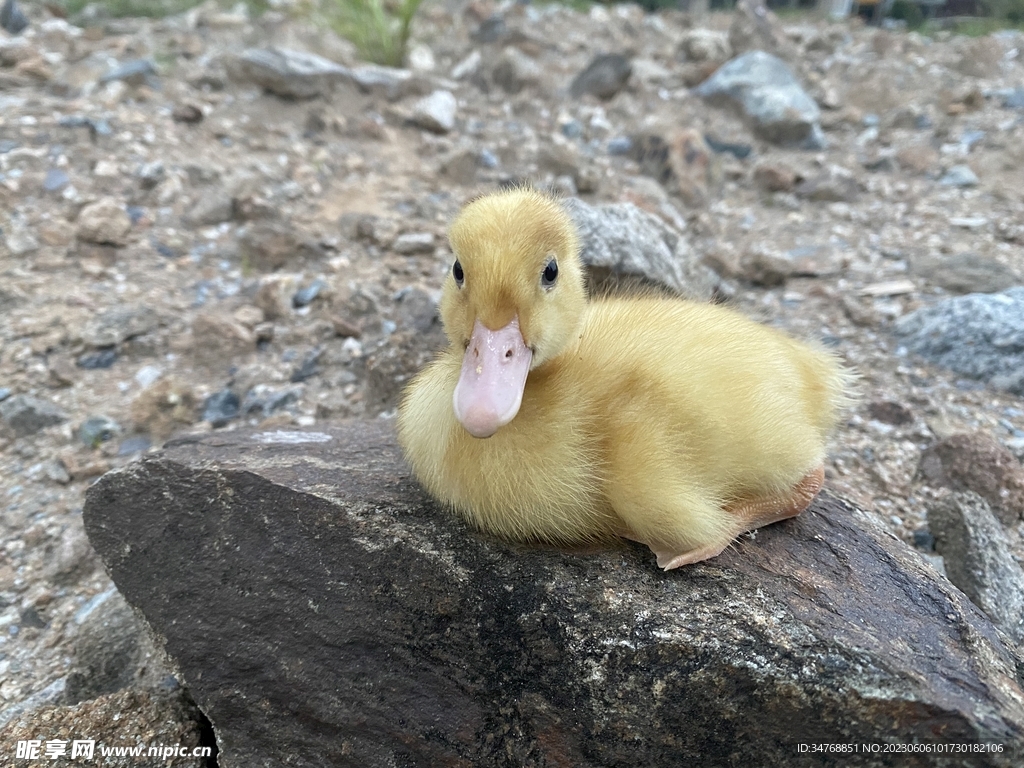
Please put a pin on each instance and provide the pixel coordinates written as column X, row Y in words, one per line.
column 200, row 233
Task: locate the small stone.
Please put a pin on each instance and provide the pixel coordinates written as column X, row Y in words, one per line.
column 27, row 415
column 890, row 412
column 288, row 73
column 114, row 326
column 1014, row 99
column 774, row 177
column 305, row 296
column 104, row 223
column 133, row 445
column 221, row 407
column 56, row 179
column 963, row 272
column 187, row 113
column 57, row 472
column 19, row 238
column 413, row 242
column 104, row 358
column 767, row 92
column 218, row 340
column 739, row 151
column 702, row 45
column 421, row 58
column 833, row 185
column 11, row 18
column 214, row 206
column 919, row 158
column 308, row 368
column 268, row 245
column 977, row 462
column 979, row 560
column 4, row 393
column 603, row 77
column 515, row 71
column 959, row 176
column 344, row 328
column 135, row 72
column 924, row 540
column 162, row 407
column 620, row 145
column 151, row 174
column 248, row 315
column 435, row 112
column 98, row 429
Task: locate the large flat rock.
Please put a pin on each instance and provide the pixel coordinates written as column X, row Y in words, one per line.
column 325, row 613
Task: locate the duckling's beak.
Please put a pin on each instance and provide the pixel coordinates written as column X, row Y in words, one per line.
column 494, row 370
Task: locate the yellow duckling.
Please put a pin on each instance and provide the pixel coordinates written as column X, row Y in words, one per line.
column 553, row 418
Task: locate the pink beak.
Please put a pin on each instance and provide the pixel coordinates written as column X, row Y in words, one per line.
column 494, row 370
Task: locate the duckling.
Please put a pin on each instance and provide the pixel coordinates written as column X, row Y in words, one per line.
column 556, row 418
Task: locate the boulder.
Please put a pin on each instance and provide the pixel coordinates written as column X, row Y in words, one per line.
column 288, row 73
column 980, row 335
column 622, row 240
column 766, row 92
column 323, row 611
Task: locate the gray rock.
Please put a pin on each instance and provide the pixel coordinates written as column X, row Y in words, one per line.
column 288, row 73
column 215, row 205
column 19, row 238
column 963, row 272
column 119, row 324
column 603, row 77
column 307, row 294
column 515, row 71
column 104, row 222
column 978, row 559
column 113, row 651
column 26, row 415
column 765, row 91
column 11, row 18
column 389, row 82
column 435, row 112
column 701, row 45
column 134, row 72
column 413, row 242
column 830, row 186
column 1014, row 99
column 98, row 429
column 959, row 176
column 622, row 239
column 307, row 573
column 221, row 407
column 51, row 694
column 979, row 463
column 56, row 179
column 978, row 335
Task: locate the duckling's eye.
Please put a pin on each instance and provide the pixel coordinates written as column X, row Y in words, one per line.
column 458, row 274
column 550, row 274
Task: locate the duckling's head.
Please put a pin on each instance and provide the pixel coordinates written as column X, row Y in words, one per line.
column 513, row 300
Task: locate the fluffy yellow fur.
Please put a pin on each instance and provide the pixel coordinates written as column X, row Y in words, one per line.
column 650, row 418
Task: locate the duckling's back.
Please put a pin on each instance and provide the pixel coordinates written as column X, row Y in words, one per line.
column 743, row 409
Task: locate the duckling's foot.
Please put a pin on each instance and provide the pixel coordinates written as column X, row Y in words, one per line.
column 760, row 512
column 669, row 560
column 749, row 515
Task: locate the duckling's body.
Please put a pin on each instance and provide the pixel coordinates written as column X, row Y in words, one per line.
column 673, row 423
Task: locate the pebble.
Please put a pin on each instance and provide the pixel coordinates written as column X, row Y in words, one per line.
column 435, row 112
column 104, row 358
column 413, row 242
column 603, row 77
column 26, row 415
column 221, row 407
column 98, row 429
column 55, row 180
column 11, row 18
column 104, row 223
column 4, row 393
column 305, row 296
column 959, row 176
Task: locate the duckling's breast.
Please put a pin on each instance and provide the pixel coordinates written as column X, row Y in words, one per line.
column 536, row 479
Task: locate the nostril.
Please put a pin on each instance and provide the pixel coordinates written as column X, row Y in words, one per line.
column 508, row 353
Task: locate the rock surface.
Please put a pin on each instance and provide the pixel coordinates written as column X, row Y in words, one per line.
column 978, row 463
column 305, row 572
column 288, row 73
column 625, row 240
column 764, row 88
column 978, row 335
column 978, row 559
